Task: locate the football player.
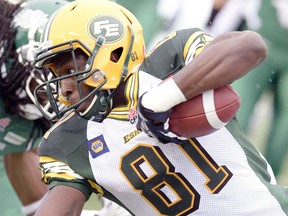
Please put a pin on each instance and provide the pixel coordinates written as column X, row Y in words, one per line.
column 22, row 122
column 22, row 125
column 113, row 138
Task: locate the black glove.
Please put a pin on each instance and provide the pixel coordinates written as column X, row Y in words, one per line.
column 156, row 124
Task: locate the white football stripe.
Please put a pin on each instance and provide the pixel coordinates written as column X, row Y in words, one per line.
column 209, row 109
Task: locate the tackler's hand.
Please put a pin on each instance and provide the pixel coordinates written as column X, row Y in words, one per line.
column 156, row 124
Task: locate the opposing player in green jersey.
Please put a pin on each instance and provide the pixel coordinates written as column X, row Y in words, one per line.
column 21, row 123
column 272, row 76
column 107, row 142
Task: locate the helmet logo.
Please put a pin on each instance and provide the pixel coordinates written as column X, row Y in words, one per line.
column 107, row 26
column 33, row 20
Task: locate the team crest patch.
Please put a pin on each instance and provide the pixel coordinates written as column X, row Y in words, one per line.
column 97, row 146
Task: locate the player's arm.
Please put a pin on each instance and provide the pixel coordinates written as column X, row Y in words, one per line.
column 68, row 189
column 224, row 60
column 62, row 200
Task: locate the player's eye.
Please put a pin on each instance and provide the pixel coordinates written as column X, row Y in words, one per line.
column 71, row 71
column 66, row 72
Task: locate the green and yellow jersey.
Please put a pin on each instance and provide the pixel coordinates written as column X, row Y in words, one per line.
column 217, row 174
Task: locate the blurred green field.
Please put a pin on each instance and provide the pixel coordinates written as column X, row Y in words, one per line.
column 259, row 127
column 93, row 203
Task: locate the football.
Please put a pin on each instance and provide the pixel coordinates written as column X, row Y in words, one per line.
column 204, row 113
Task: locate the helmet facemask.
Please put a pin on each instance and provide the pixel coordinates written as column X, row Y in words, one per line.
column 104, row 30
column 51, row 88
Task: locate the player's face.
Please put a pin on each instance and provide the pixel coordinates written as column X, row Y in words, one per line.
column 69, row 86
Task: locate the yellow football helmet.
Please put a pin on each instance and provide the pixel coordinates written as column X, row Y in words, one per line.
column 99, row 28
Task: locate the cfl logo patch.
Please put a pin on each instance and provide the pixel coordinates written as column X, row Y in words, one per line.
column 109, row 27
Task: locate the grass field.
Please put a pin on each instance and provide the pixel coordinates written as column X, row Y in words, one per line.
column 93, row 203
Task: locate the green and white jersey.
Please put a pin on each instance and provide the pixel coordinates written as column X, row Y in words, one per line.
column 16, row 133
column 273, row 22
column 217, row 174
column 274, row 29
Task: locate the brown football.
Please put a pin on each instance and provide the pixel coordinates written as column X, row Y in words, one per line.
column 204, row 113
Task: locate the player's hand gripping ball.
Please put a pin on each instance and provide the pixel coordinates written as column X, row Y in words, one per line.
column 204, row 113
column 156, row 124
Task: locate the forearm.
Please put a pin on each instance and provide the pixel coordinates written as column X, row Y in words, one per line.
column 227, row 58
column 62, row 200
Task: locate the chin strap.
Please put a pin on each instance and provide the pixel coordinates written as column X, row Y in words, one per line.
column 105, row 101
column 103, row 104
column 100, row 108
